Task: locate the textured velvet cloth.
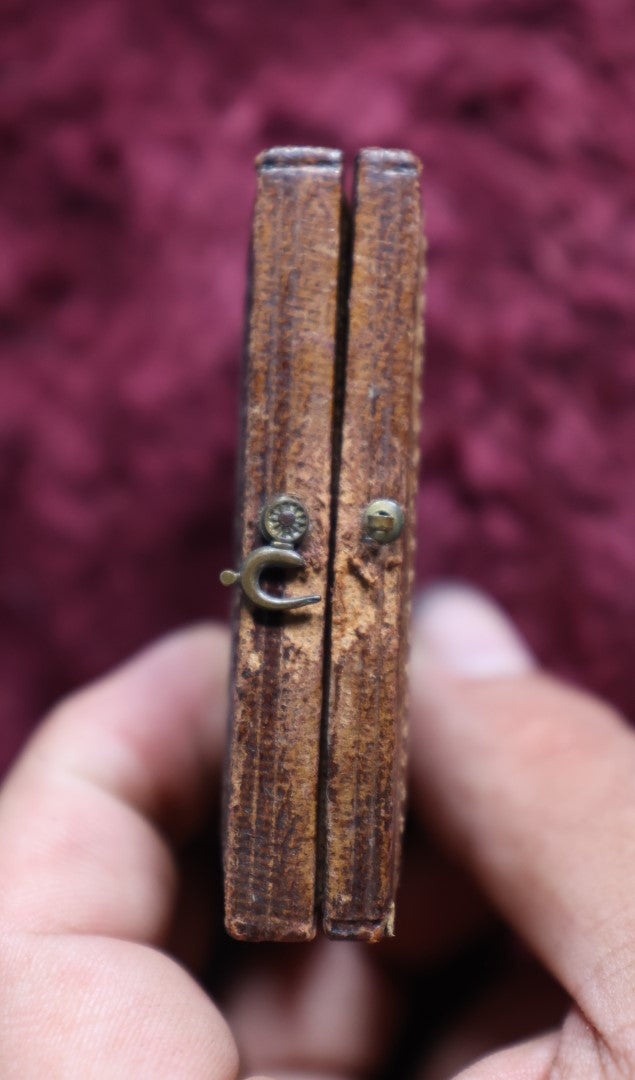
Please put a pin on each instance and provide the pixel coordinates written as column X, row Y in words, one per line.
column 127, row 133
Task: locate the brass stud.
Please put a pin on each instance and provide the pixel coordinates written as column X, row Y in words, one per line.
column 383, row 521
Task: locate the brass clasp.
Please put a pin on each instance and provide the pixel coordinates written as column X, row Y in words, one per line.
column 284, row 521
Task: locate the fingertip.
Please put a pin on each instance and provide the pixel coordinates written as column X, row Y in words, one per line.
column 70, row 1001
column 529, row 782
column 187, row 666
column 460, row 631
column 142, row 727
column 114, row 771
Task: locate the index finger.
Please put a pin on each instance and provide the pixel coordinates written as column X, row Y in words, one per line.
column 116, row 767
column 532, row 781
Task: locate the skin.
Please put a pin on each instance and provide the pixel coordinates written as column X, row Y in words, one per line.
column 525, row 783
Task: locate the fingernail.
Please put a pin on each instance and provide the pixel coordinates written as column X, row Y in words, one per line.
column 461, row 631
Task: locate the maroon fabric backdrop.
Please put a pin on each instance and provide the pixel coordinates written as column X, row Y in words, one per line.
column 127, row 133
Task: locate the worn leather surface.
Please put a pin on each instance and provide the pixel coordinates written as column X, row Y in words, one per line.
column 270, row 833
column 314, row 794
column 372, row 582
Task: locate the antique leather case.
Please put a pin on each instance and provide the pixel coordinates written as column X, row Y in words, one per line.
column 314, row 789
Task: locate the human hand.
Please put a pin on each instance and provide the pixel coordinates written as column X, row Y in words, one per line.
column 526, row 783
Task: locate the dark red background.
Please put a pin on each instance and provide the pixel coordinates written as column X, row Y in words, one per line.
column 127, row 133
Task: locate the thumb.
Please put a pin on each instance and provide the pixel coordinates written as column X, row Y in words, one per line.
column 531, row 783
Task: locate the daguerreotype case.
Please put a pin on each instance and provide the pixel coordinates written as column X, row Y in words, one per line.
column 314, row 787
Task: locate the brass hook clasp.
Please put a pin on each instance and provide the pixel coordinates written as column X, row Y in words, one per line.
column 284, row 521
column 249, row 577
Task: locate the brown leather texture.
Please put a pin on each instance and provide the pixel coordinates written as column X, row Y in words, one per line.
column 370, row 609
column 270, row 831
column 314, row 791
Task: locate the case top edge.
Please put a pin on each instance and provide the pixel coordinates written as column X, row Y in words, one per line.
column 298, row 156
column 389, row 160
